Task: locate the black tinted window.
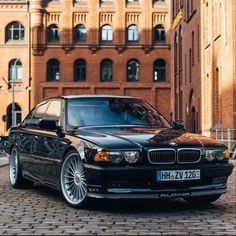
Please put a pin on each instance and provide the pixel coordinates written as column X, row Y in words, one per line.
column 40, row 111
column 112, row 111
column 54, row 111
column 38, row 114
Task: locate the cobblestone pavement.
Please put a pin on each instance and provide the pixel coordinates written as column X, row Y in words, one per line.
column 42, row 211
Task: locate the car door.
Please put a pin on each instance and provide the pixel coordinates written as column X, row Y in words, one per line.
column 26, row 137
column 48, row 145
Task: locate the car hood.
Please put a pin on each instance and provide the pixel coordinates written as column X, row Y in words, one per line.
column 143, row 137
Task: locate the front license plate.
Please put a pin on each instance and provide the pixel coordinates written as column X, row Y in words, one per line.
column 177, row 175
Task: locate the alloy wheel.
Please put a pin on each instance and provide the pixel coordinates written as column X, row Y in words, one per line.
column 13, row 166
column 73, row 181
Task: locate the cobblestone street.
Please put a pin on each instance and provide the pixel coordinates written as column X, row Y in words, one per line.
column 42, row 211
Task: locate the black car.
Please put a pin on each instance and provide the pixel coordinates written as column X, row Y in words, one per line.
column 116, row 148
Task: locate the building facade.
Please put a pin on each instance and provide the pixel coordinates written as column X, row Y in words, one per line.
column 102, row 47
column 204, row 64
column 62, row 47
column 14, row 62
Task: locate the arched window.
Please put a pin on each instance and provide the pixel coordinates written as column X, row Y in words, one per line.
column 15, row 70
column 15, row 31
column 133, row 68
column 53, row 33
column 106, row 33
column 159, row 74
column 133, row 35
column 159, row 34
column 106, row 70
column 53, row 70
column 80, row 33
column 80, row 70
column 17, row 116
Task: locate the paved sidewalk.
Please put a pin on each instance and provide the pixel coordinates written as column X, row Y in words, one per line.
column 3, row 161
column 40, row 210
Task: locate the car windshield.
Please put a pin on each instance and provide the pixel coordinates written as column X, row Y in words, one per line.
column 99, row 111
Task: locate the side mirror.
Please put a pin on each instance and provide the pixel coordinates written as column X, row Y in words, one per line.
column 48, row 125
column 178, row 124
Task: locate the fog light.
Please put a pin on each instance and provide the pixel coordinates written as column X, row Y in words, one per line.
column 131, row 157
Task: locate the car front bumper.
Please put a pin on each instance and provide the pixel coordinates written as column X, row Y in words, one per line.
column 140, row 182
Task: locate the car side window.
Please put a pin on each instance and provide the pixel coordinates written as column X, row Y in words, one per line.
column 27, row 119
column 54, row 111
column 38, row 114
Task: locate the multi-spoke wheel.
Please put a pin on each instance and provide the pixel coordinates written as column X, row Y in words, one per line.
column 13, row 167
column 73, row 181
column 15, row 174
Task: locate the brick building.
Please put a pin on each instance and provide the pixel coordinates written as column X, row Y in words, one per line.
column 14, row 61
column 204, row 63
column 62, row 47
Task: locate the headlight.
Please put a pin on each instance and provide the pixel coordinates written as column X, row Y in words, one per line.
column 114, row 157
column 210, row 155
column 117, row 157
column 220, row 155
column 131, row 157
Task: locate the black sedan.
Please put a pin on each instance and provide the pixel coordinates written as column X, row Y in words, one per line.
column 116, row 148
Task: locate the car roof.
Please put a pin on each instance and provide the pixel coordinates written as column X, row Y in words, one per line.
column 89, row 96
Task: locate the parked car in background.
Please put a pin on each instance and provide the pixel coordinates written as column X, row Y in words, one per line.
column 114, row 148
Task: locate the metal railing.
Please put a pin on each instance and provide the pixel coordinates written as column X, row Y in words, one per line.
column 227, row 136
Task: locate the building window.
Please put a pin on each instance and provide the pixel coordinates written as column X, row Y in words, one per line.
column 133, row 35
column 104, row 1
column 132, row 0
column 79, row 70
column 53, row 70
column 193, row 49
column 17, row 114
column 53, row 33
column 80, row 33
column 175, row 53
column 159, row 74
column 180, row 48
column 106, row 33
column 158, row 1
column 15, row 31
column 106, row 70
column 133, row 68
column 190, row 65
column 159, row 34
column 15, row 70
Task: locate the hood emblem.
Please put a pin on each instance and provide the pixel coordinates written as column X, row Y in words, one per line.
column 173, row 144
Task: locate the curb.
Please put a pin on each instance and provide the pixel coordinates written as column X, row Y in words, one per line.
column 4, row 165
column 4, row 161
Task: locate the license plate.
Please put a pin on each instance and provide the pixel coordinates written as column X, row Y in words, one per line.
column 177, row 175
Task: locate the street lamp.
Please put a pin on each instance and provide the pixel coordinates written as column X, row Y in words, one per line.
column 13, row 123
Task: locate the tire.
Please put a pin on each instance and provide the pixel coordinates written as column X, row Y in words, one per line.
column 202, row 200
column 15, row 173
column 73, row 181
